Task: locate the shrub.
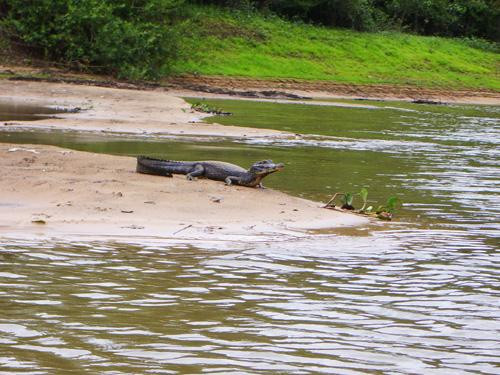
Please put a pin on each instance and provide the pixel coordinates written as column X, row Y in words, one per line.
column 127, row 38
column 463, row 18
column 482, row 44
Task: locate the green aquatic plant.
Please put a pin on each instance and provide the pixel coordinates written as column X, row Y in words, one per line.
column 386, row 212
column 364, row 196
column 391, row 204
column 347, row 200
column 383, row 212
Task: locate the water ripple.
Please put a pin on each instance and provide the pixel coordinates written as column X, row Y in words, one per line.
column 319, row 304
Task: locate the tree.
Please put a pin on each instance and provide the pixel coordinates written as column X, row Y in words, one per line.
column 128, row 38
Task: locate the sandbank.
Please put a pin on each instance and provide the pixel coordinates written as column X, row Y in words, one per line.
column 54, row 192
column 115, row 110
column 162, row 111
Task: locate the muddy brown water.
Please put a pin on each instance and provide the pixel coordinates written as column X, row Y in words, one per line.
column 416, row 296
column 12, row 111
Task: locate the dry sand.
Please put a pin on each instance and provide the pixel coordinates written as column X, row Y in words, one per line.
column 50, row 191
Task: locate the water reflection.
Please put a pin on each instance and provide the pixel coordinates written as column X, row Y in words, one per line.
column 331, row 304
column 11, row 110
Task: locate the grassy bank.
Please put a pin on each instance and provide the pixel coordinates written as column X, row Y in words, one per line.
column 239, row 44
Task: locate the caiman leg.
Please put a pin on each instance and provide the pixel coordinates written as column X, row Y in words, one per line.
column 198, row 171
column 230, row 179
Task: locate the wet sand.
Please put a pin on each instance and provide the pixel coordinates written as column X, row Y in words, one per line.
column 50, row 191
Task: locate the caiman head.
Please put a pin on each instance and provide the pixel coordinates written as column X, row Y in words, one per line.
column 264, row 167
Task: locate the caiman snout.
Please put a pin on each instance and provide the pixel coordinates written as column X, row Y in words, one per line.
column 266, row 167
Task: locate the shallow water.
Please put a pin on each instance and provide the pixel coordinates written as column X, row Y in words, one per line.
column 11, row 111
column 417, row 296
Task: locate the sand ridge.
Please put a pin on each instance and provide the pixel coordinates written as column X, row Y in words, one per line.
column 52, row 191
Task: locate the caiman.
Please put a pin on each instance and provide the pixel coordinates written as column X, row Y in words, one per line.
column 213, row 170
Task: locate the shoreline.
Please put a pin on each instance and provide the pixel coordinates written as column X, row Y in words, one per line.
column 216, row 85
column 233, row 86
column 42, row 196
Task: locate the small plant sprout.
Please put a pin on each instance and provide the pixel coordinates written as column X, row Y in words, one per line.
column 364, row 196
column 387, row 212
column 347, row 200
column 391, row 204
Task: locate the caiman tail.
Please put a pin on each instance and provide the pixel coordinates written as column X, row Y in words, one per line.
column 159, row 167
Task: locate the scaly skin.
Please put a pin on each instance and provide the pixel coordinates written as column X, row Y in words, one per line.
column 213, row 170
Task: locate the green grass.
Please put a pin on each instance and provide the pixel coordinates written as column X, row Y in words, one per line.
column 254, row 46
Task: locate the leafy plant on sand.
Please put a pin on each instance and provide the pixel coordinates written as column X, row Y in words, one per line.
column 383, row 212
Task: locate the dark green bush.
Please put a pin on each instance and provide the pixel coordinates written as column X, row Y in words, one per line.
column 481, row 44
column 127, row 38
column 462, row 18
column 354, row 14
column 469, row 18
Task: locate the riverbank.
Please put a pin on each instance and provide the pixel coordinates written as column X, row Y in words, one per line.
column 216, row 86
column 55, row 192
column 33, row 80
column 222, row 42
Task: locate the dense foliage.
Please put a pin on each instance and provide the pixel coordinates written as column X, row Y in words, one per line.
column 147, row 39
column 127, row 38
column 465, row 18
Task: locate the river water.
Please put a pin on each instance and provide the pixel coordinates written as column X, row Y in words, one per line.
column 419, row 295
